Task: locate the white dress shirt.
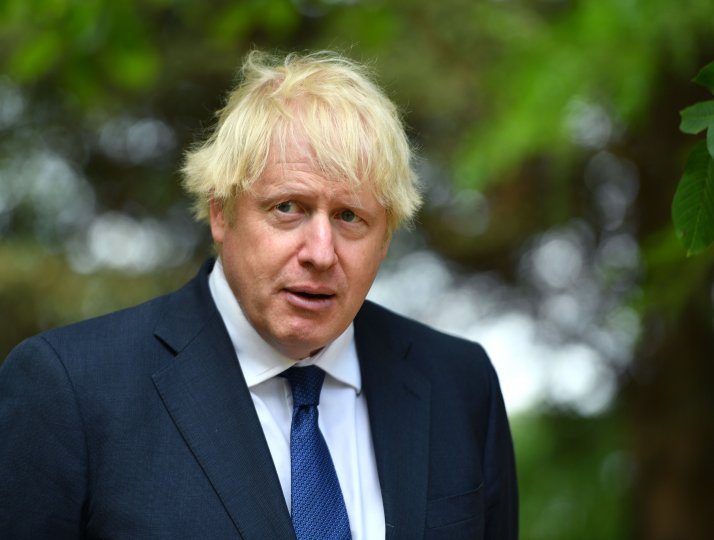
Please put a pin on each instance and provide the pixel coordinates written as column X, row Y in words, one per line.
column 342, row 410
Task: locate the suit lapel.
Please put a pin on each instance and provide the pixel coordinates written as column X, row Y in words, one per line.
column 205, row 394
column 398, row 403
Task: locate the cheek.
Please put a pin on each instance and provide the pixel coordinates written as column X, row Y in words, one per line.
column 361, row 267
column 261, row 261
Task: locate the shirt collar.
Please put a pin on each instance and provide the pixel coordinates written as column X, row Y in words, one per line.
column 260, row 361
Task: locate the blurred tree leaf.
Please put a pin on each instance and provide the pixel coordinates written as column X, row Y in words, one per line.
column 697, row 117
column 693, row 205
column 35, row 57
column 133, row 67
column 238, row 21
column 705, row 77
column 278, row 17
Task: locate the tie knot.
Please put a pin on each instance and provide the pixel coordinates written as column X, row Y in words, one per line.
column 306, row 383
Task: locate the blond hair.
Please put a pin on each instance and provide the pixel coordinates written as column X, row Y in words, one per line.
column 354, row 130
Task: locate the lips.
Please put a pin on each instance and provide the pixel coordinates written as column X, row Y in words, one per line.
column 311, row 290
column 312, row 298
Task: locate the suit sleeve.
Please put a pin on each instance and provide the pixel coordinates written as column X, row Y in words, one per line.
column 500, row 471
column 43, row 453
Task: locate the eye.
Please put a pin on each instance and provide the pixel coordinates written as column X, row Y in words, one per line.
column 286, row 207
column 348, row 216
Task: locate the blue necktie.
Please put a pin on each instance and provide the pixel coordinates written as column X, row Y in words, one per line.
column 318, row 509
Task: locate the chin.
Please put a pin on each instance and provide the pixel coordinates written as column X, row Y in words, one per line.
column 301, row 346
column 301, row 351
column 300, row 334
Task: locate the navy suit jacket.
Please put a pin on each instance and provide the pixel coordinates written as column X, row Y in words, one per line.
column 139, row 425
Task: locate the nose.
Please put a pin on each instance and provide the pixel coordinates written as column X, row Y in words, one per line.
column 318, row 246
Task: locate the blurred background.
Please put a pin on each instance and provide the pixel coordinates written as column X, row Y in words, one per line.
column 549, row 152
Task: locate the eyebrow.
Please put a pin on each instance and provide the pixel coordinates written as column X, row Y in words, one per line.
column 280, row 193
column 287, row 190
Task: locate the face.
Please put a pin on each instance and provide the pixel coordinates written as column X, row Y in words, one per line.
column 301, row 252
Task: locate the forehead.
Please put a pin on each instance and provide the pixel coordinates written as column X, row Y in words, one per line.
column 293, row 161
column 301, row 182
column 330, row 142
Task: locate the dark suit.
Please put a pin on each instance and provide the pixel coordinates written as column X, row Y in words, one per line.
column 139, row 425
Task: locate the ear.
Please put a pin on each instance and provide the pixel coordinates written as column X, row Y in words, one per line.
column 385, row 245
column 218, row 220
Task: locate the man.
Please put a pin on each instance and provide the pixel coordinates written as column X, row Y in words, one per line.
column 185, row 418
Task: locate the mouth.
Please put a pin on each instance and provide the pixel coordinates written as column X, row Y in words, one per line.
column 308, row 298
column 312, row 296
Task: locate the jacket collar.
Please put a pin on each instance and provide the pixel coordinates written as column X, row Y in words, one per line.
column 398, row 404
column 205, row 394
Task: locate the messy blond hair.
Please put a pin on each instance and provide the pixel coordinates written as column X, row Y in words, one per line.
column 354, row 131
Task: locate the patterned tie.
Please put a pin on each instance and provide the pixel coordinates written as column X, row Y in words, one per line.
column 318, row 509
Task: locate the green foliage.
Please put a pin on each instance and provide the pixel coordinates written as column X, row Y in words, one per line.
column 601, row 53
column 693, row 204
column 698, row 117
column 574, row 476
column 705, row 77
column 96, row 52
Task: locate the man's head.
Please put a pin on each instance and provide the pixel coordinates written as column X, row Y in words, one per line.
column 303, row 181
column 353, row 129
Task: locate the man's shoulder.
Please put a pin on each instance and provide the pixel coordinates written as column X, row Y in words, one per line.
column 122, row 333
column 106, row 345
column 450, row 363
column 109, row 326
column 383, row 321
